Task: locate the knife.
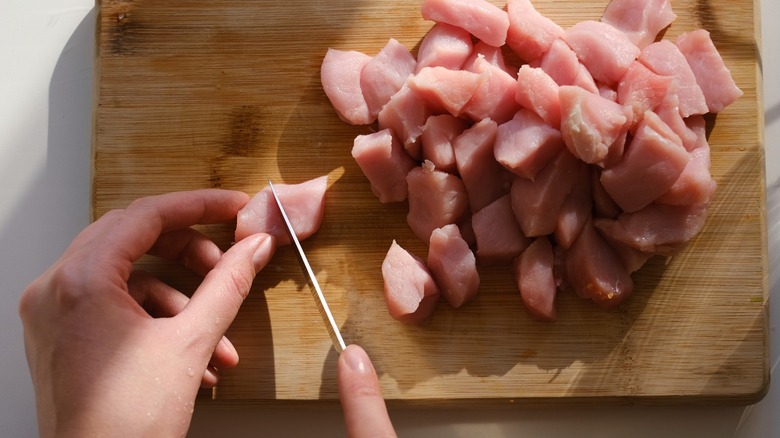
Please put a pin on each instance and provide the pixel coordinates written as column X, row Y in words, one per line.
column 319, row 298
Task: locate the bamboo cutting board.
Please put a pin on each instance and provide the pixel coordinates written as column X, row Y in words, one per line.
column 194, row 94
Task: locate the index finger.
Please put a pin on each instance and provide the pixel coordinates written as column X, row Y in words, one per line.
column 365, row 413
column 125, row 235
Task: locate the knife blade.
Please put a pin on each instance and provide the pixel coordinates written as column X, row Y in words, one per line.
column 314, row 286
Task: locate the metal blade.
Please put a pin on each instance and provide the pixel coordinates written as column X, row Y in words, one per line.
column 319, row 298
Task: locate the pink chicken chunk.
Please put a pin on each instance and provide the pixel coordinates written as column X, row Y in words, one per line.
column 537, row 91
column 481, row 18
column 385, row 74
column 640, row 20
column 534, row 276
column 656, row 229
column 453, row 265
column 664, row 58
column 405, row 114
column 492, row 55
column 499, row 238
column 436, row 199
column 444, row 46
column 340, row 77
column 536, row 204
column 438, row 134
column 563, row 66
column 494, row 99
column 593, row 127
column 445, row 89
column 530, row 33
column 606, row 52
column 411, row 294
column 304, row 204
column 649, row 168
column 643, row 90
column 711, row 72
column 385, row 163
column 576, row 209
column 595, row 271
column 484, row 178
column 525, row 144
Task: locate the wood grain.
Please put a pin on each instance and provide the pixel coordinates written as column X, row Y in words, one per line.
column 193, row 94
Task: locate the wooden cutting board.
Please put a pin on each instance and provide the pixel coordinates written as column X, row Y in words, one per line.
column 194, row 94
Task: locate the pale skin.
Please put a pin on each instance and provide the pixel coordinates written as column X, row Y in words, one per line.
column 116, row 352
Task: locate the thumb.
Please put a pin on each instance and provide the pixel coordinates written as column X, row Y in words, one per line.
column 364, row 408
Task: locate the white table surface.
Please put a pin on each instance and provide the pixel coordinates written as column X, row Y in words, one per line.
column 46, row 79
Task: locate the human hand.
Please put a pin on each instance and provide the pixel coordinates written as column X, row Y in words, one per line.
column 365, row 413
column 113, row 352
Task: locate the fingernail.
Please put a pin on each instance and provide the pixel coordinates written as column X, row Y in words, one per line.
column 263, row 253
column 357, row 360
column 210, row 377
column 226, row 344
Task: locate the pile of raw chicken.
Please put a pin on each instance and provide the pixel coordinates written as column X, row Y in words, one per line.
column 572, row 169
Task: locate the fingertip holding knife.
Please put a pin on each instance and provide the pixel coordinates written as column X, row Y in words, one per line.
column 322, row 304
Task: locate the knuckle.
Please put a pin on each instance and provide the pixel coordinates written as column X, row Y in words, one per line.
column 238, row 283
column 365, row 390
column 118, row 212
column 30, row 300
column 67, row 283
column 64, row 286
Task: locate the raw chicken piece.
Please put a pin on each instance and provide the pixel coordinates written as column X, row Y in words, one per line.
column 304, row 204
column 669, row 112
column 385, row 163
column 385, row 74
column 444, row 46
column 438, row 134
column 656, row 229
column 607, row 92
column 436, row 199
column 499, row 238
column 594, row 270
column 533, row 271
column 537, row 91
column 603, row 204
column 563, row 66
column 525, row 144
column 467, row 230
column 405, row 114
column 530, row 33
column 643, row 90
column 711, row 72
column 481, row 18
column 411, row 294
column 592, row 125
column 484, row 178
column 576, row 208
column 491, row 54
column 695, row 184
column 445, row 89
column 664, row 58
column 340, row 77
column 494, row 99
column 632, row 258
column 453, row 265
column 537, row 204
column 649, row 168
column 605, row 51
column 640, row 20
